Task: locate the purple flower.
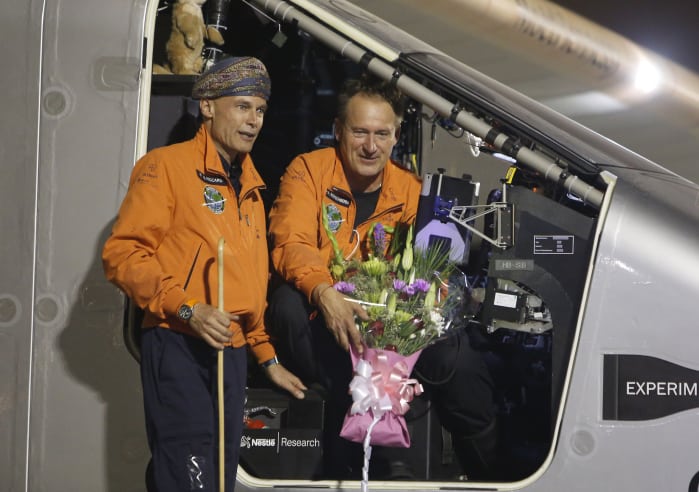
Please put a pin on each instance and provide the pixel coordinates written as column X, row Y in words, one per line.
column 379, row 239
column 398, row 285
column 421, row 285
column 344, row 287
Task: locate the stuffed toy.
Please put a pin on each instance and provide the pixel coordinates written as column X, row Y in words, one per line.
column 186, row 42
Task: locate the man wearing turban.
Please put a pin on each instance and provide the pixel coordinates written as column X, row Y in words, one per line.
column 163, row 253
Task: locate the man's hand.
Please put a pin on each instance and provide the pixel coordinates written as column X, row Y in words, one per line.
column 280, row 376
column 339, row 315
column 211, row 324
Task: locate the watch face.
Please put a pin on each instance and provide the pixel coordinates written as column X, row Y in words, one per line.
column 185, row 312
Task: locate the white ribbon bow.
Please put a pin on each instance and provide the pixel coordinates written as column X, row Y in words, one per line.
column 382, row 388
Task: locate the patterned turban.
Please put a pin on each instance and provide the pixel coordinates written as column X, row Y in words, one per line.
column 236, row 76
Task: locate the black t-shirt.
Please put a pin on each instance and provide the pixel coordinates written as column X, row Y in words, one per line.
column 366, row 204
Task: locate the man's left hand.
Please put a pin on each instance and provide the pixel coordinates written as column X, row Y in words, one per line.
column 280, row 376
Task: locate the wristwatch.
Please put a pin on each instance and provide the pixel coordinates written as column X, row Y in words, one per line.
column 185, row 310
column 269, row 362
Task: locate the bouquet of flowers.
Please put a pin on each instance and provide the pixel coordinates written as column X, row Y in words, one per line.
column 406, row 294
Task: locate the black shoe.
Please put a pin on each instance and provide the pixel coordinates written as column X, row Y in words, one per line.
column 399, row 470
column 390, row 470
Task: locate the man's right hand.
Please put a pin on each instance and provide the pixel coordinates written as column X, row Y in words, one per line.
column 339, row 315
column 211, row 324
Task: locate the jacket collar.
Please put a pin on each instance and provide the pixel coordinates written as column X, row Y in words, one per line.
column 249, row 177
column 390, row 188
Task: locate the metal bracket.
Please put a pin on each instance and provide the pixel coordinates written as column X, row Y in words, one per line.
column 462, row 215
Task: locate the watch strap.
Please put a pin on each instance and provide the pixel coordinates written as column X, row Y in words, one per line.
column 270, row 362
column 185, row 311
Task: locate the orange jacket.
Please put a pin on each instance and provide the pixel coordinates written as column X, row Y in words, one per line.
column 301, row 249
column 163, row 247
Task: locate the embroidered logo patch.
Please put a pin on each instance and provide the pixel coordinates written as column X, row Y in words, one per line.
column 334, row 217
column 214, row 200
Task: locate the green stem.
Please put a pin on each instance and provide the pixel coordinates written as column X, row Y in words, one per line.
column 337, row 253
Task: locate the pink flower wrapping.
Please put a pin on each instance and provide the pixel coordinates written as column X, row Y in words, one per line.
column 381, row 389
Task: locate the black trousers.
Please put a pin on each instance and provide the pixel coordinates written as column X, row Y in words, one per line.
column 179, row 378
column 454, row 375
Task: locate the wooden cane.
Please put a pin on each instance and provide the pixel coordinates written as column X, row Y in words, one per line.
column 221, row 419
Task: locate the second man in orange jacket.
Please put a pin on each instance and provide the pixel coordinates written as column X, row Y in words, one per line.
column 359, row 184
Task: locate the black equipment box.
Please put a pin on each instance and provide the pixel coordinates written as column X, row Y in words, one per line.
column 282, row 436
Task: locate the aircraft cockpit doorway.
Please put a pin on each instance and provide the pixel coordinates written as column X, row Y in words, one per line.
column 524, row 250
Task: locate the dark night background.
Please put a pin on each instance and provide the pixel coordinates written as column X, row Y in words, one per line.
column 667, row 27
